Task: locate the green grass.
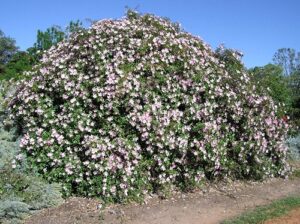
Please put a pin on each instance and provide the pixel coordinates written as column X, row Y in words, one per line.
column 295, row 170
column 296, row 173
column 260, row 214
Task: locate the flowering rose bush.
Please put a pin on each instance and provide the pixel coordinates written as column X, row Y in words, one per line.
column 137, row 105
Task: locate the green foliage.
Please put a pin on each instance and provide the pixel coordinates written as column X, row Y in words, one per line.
column 294, row 84
column 20, row 62
column 289, row 60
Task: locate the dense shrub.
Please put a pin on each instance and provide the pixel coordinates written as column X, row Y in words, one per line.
column 137, row 105
column 21, row 190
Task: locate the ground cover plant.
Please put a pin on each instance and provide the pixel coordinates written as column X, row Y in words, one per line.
column 21, row 191
column 137, row 105
column 293, row 143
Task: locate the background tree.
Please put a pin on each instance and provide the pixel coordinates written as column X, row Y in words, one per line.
column 271, row 77
column 52, row 36
column 7, row 50
column 288, row 59
column 73, row 27
column 13, row 62
column 20, row 62
column 294, row 84
column 231, row 58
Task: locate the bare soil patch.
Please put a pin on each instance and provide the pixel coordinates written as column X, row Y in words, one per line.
column 211, row 205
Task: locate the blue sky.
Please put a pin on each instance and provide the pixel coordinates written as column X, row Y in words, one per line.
column 256, row 27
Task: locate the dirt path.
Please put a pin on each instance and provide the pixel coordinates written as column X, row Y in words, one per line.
column 210, row 206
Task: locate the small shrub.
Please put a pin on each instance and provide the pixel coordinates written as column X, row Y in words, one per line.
column 293, row 144
column 12, row 211
column 21, row 190
column 137, row 105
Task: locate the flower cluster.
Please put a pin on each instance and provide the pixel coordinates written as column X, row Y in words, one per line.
column 134, row 105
